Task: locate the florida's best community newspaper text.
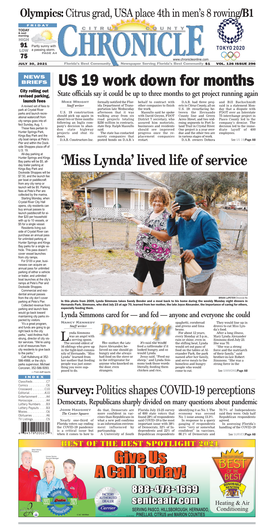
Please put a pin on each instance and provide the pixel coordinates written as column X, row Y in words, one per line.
column 139, row 263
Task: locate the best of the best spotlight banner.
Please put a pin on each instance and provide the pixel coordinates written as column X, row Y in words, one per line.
column 140, row 478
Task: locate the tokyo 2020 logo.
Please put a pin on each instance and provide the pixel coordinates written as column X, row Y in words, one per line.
column 230, row 30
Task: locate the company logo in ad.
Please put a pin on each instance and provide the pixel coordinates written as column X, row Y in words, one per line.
column 107, row 500
column 60, row 503
column 29, row 512
column 232, row 467
column 230, row 30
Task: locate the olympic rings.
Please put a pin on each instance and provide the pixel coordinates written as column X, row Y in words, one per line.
column 236, row 24
column 230, row 55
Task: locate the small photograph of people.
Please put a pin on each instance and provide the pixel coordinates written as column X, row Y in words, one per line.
column 28, row 478
column 49, row 482
column 33, row 487
column 153, row 244
column 154, row 233
column 71, row 482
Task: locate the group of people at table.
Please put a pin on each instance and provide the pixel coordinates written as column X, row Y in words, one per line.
column 33, row 488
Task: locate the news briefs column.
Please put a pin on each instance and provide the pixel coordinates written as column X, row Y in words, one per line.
column 34, row 252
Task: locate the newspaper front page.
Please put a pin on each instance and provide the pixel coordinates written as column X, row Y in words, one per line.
column 139, row 148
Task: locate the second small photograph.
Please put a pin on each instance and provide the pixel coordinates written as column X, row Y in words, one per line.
column 154, row 233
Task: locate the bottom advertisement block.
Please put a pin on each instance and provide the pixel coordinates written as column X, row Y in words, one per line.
column 136, row 478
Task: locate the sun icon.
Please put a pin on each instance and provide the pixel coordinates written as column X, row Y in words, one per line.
column 46, row 34
column 132, row 25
